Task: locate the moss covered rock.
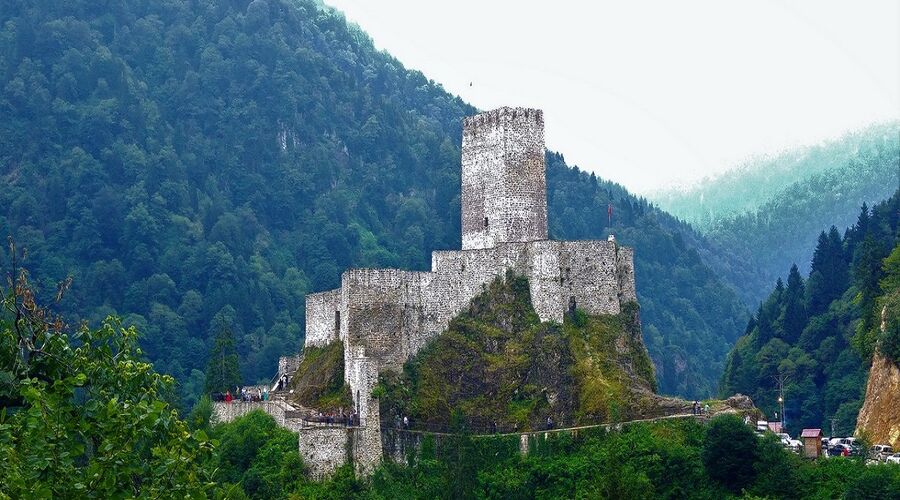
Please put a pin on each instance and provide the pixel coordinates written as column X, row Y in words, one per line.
column 499, row 368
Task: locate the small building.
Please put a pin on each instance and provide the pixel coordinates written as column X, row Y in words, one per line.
column 812, row 443
column 775, row 427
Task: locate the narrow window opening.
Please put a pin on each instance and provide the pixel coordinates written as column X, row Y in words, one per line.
column 337, row 322
column 485, row 223
column 572, row 304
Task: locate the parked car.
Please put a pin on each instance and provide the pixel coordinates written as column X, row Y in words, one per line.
column 841, row 450
column 880, row 451
column 789, row 443
column 893, row 459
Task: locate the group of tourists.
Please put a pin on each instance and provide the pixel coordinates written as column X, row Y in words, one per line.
column 698, row 409
column 349, row 419
column 246, row 394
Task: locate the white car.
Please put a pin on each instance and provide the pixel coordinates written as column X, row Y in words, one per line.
column 893, row 459
column 881, row 451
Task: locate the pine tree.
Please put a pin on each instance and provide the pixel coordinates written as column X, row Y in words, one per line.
column 828, row 274
column 866, row 275
column 794, row 316
column 222, row 370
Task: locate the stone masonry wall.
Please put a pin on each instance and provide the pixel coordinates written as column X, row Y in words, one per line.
column 504, row 192
column 323, row 449
column 321, row 322
column 227, row 412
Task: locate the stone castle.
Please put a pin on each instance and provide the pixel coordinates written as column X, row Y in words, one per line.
column 384, row 316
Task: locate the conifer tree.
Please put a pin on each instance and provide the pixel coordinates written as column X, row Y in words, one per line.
column 795, row 317
column 222, row 370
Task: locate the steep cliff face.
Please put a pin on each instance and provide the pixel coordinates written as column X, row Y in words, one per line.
column 879, row 418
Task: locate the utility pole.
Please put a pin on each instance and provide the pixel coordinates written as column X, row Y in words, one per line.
column 781, row 379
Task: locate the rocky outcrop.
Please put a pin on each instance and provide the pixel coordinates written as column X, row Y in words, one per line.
column 879, row 418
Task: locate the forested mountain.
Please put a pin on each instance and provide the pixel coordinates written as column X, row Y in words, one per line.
column 198, row 166
column 817, row 335
column 765, row 216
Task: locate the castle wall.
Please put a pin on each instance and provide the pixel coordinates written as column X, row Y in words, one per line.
column 625, row 271
column 385, row 313
column 588, row 274
column 227, row 412
column 362, row 376
column 504, row 191
column 321, row 323
column 323, row 449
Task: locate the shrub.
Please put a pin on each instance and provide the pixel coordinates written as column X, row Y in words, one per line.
column 730, row 452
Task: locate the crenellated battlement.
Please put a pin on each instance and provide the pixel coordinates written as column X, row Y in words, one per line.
column 506, row 115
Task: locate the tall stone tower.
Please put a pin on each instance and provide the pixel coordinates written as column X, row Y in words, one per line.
column 504, row 187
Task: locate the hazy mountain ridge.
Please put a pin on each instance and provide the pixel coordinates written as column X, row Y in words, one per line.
column 751, row 185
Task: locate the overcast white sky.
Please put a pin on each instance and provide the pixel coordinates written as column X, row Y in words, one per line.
column 649, row 94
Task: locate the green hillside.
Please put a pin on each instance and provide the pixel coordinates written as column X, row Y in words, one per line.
column 200, row 166
column 818, row 334
column 765, row 216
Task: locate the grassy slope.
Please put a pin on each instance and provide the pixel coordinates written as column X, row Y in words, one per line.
column 319, row 380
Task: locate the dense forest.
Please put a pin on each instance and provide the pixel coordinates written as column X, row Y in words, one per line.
column 815, row 337
column 765, row 215
column 199, row 166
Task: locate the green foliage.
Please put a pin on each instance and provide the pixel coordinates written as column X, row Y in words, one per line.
column 880, row 481
column 203, row 164
column 85, row 416
column 201, row 414
column 319, row 380
column 729, row 452
column 222, row 370
column 260, row 456
column 886, row 312
column 819, row 335
column 498, row 368
column 657, row 460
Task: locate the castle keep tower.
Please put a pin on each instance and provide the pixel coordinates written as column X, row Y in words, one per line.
column 504, row 189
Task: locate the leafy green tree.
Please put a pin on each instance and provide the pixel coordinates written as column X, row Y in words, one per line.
column 259, row 455
column 222, row 370
column 877, row 482
column 729, row 452
column 84, row 416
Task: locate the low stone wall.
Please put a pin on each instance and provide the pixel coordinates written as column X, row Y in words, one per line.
column 227, row 412
column 323, row 449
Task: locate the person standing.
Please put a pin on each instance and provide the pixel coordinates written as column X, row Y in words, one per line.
column 228, row 396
